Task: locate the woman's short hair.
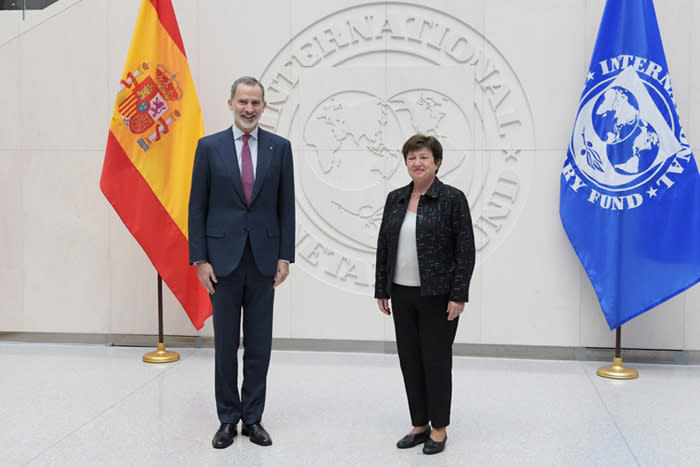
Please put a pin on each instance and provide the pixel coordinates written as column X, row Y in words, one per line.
column 419, row 141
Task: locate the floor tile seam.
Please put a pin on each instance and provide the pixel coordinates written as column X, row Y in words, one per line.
column 103, row 411
column 610, row 415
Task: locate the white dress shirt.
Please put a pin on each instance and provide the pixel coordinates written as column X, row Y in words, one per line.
column 252, row 144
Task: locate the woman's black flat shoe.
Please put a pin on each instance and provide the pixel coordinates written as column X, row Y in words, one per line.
column 410, row 441
column 434, row 447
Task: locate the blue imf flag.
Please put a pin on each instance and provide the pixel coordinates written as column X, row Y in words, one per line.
column 630, row 188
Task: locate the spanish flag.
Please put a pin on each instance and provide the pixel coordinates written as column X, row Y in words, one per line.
column 152, row 138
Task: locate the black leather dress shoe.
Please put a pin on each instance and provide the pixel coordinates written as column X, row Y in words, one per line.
column 257, row 434
column 224, row 436
column 433, row 447
column 410, row 441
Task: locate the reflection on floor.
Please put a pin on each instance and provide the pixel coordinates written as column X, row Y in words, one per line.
column 87, row 405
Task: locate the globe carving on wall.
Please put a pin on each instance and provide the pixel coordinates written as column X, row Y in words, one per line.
column 355, row 137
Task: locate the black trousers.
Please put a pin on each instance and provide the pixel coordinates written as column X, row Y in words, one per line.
column 424, row 339
column 247, row 289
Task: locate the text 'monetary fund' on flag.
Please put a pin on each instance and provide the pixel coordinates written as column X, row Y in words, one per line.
column 152, row 138
column 630, row 188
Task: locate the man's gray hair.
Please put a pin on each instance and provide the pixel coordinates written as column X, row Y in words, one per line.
column 250, row 81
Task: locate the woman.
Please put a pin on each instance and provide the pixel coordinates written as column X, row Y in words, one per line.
column 425, row 259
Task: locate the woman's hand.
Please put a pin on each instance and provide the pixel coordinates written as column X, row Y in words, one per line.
column 383, row 304
column 454, row 309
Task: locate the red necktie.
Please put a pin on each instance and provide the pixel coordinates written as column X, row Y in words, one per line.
column 247, row 177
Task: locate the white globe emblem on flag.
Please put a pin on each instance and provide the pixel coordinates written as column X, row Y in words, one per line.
column 621, row 139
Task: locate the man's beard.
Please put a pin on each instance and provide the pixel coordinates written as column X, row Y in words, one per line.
column 245, row 124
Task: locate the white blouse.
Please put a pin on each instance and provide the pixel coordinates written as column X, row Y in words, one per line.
column 406, row 269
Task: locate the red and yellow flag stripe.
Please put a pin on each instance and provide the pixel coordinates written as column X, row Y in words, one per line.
column 148, row 162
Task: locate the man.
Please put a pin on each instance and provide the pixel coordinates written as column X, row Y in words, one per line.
column 241, row 238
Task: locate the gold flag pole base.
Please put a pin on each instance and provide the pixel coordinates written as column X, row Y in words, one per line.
column 617, row 371
column 161, row 355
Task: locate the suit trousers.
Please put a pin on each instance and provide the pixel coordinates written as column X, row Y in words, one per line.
column 424, row 339
column 247, row 289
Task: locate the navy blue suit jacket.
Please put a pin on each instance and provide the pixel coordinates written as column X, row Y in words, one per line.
column 220, row 219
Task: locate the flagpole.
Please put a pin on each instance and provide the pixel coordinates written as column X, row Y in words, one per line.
column 161, row 355
column 617, row 371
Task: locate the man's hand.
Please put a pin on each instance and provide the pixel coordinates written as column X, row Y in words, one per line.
column 206, row 276
column 383, row 304
column 454, row 309
column 282, row 273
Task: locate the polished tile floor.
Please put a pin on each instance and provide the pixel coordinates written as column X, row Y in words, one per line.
column 88, row 405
